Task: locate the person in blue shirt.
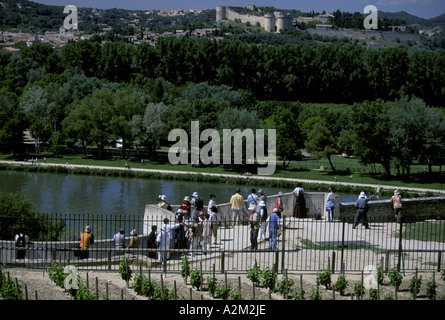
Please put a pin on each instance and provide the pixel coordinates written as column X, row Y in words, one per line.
column 362, row 210
column 274, row 223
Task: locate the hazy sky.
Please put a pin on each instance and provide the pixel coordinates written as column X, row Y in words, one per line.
column 420, row 8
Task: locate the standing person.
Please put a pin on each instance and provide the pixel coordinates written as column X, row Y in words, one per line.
column 186, row 206
column 262, row 212
column 20, row 240
column 330, row 204
column 362, row 210
column 134, row 240
column 86, row 240
column 237, row 202
column 213, row 217
column 396, row 200
column 261, row 196
column 151, row 242
column 192, row 238
column 119, row 239
column 300, row 202
column 163, row 239
column 180, row 233
column 211, row 204
column 279, row 203
column 164, row 204
column 206, row 232
column 252, row 198
column 274, row 223
column 197, row 205
column 254, row 219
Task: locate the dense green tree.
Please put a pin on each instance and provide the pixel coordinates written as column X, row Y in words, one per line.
column 371, row 126
column 34, row 103
column 84, row 54
column 128, row 102
column 321, row 143
column 12, row 123
column 18, row 213
column 416, row 131
column 290, row 138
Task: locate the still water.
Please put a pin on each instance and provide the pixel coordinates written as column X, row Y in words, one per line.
column 81, row 194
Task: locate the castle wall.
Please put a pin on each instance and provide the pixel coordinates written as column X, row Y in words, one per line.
column 269, row 22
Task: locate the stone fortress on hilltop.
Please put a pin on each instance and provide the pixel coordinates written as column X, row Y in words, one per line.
column 270, row 22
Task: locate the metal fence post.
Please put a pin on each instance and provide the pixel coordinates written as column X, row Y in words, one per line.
column 343, row 240
column 283, row 250
column 400, row 247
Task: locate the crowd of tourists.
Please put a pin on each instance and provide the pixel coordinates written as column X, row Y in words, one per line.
column 195, row 226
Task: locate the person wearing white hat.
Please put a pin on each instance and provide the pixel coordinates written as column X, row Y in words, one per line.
column 134, row 239
column 396, row 200
column 262, row 212
column 197, row 205
column 163, row 239
column 164, row 204
column 86, row 240
column 362, row 210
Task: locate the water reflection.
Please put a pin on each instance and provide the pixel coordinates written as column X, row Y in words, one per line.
column 79, row 194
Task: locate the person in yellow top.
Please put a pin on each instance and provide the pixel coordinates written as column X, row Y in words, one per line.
column 86, row 240
column 237, row 203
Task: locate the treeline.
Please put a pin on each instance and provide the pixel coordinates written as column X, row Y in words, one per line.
column 87, row 95
column 355, row 20
column 340, row 73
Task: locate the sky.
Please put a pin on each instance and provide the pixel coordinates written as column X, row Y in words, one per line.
column 421, row 8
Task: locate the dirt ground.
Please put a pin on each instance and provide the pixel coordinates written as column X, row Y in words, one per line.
column 112, row 287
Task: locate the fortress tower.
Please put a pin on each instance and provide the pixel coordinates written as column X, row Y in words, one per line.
column 283, row 21
column 221, row 13
column 269, row 22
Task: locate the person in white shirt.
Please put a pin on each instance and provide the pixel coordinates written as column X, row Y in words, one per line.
column 330, row 204
column 163, row 239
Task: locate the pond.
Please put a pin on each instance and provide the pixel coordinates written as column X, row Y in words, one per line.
column 83, row 194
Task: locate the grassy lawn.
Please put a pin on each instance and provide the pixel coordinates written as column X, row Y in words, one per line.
column 348, row 170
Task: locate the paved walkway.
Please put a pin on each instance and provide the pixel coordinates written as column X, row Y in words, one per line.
column 18, row 163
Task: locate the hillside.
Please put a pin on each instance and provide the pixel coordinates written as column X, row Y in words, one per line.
column 29, row 16
column 410, row 19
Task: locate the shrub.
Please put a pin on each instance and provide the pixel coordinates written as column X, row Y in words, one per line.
column 195, row 278
column 236, row 295
column 254, row 274
column 285, row 289
column 211, row 284
column 341, row 284
column 324, row 278
column 125, row 270
column 268, row 278
column 185, row 269
column 9, row 290
column 373, row 294
column 223, row 292
column 359, row 290
column 17, row 211
column 395, row 277
column 298, row 294
column 431, row 288
column 414, row 285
